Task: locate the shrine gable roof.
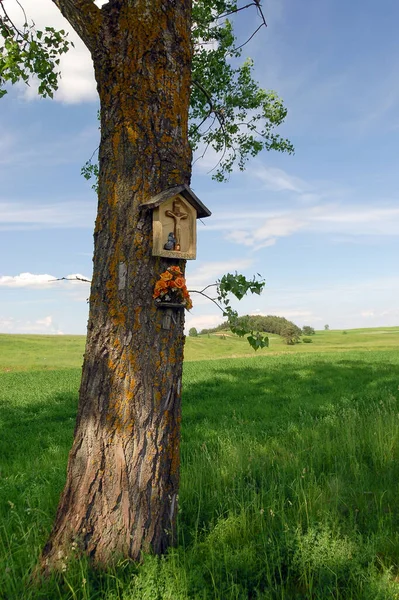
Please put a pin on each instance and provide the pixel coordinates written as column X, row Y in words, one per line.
column 184, row 191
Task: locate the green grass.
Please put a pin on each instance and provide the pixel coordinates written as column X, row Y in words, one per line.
column 290, row 476
column 40, row 352
column 46, row 352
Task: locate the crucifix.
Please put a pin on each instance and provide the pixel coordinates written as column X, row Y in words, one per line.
column 177, row 215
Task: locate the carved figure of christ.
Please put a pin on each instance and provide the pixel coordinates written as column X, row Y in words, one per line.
column 177, row 215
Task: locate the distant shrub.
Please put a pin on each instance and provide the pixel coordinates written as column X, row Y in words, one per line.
column 193, row 332
column 291, row 334
column 307, row 330
column 344, row 332
column 307, row 340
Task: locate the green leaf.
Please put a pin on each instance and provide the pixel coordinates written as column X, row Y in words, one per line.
column 25, row 53
column 239, row 286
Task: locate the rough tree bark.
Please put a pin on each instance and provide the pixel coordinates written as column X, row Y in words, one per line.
column 121, row 492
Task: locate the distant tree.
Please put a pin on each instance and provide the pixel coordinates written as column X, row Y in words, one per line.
column 307, row 330
column 326, row 327
column 193, row 332
column 267, row 324
column 291, row 334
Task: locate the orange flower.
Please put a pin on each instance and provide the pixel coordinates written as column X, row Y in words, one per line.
column 166, row 276
column 160, row 288
column 180, row 282
column 172, row 285
column 175, row 269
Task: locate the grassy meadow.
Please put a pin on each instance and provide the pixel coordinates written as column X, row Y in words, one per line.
column 289, row 481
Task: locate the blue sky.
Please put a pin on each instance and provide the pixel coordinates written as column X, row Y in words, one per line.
column 320, row 226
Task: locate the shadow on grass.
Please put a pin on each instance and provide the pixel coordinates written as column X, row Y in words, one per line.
column 269, row 394
column 37, row 414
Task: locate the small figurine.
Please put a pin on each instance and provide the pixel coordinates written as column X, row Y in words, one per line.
column 170, row 244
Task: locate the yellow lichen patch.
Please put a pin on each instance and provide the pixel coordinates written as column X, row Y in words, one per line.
column 133, row 134
column 97, row 225
column 137, row 313
column 116, row 140
column 174, row 459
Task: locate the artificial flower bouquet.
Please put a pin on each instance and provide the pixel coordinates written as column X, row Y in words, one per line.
column 171, row 287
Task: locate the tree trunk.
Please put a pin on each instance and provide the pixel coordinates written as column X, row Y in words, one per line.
column 120, row 496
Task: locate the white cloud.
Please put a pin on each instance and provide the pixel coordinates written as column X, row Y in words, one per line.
column 203, row 321
column 288, row 314
column 206, row 160
column 367, row 313
column 19, row 215
column 257, row 229
column 28, row 148
column 46, row 322
column 209, row 272
column 267, row 234
column 339, row 303
column 246, row 238
column 29, row 280
column 44, row 325
column 278, row 180
column 357, row 215
column 26, row 280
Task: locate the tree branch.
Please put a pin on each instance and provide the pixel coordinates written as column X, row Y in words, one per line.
column 216, row 111
column 236, row 10
column 212, row 108
column 7, row 22
column 208, row 297
column 84, row 16
column 234, row 50
column 71, row 279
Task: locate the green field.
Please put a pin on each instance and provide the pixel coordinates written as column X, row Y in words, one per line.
column 290, row 471
column 27, row 352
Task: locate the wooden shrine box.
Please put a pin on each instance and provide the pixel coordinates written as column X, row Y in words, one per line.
column 174, row 222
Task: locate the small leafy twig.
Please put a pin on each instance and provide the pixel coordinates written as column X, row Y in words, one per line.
column 90, row 170
column 239, row 286
column 236, row 10
column 208, row 297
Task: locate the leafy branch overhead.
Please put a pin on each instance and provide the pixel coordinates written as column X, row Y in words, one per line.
column 27, row 51
column 230, row 114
